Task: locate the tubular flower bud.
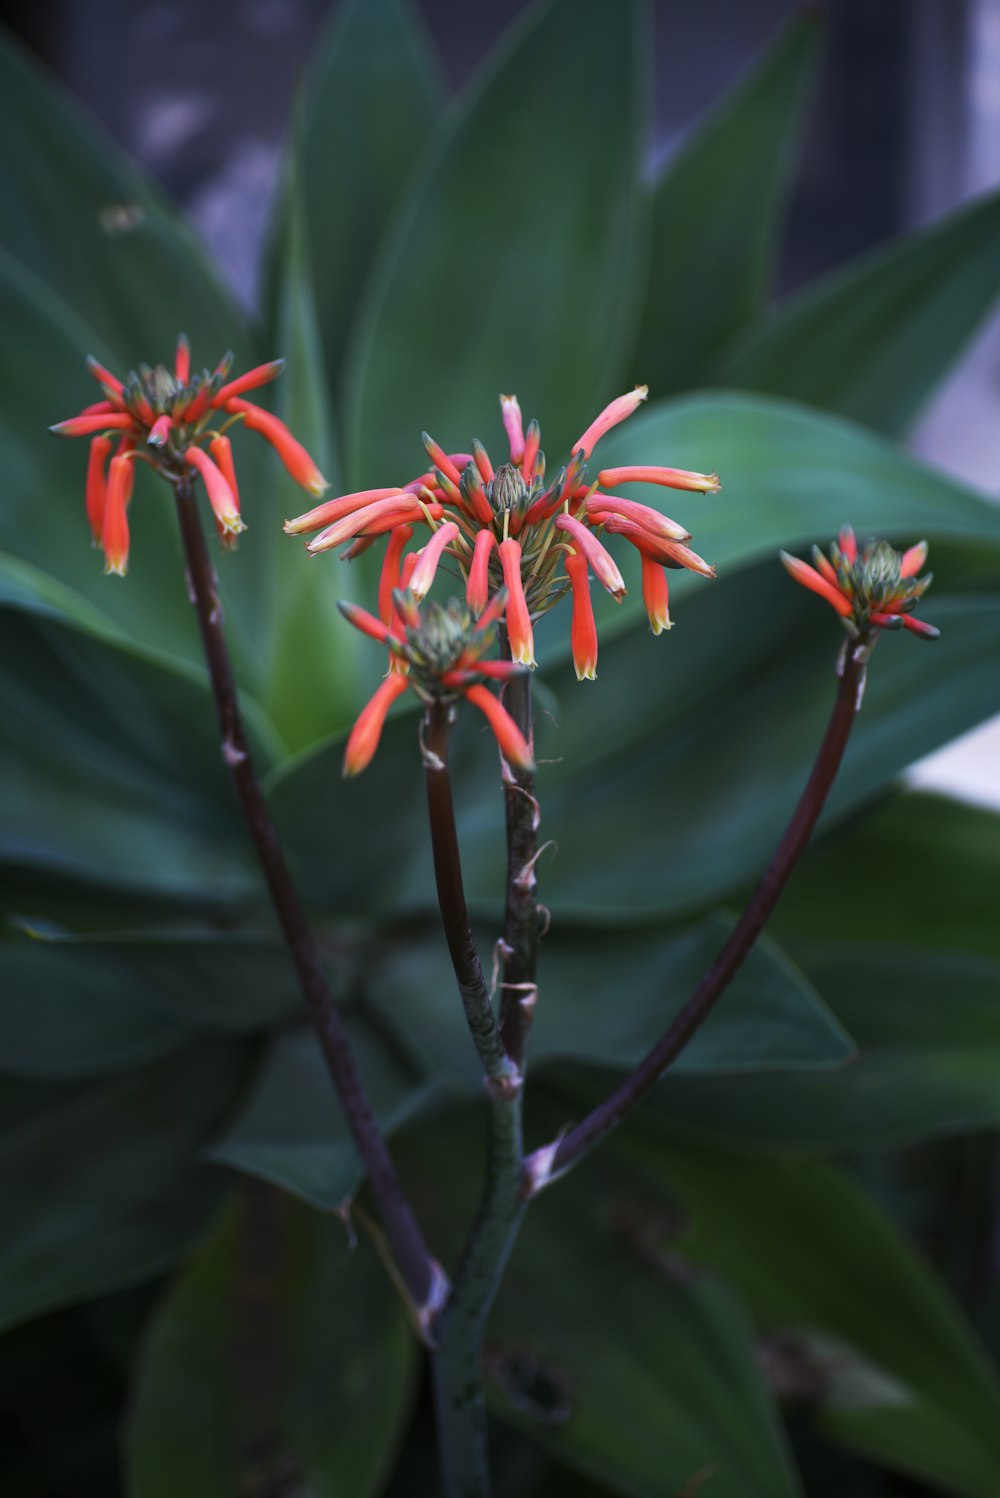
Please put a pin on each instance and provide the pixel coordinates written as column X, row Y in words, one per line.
column 367, row 730
column 297, row 461
column 220, row 496
column 252, row 380
column 513, row 745
column 603, row 563
column 667, row 553
column 114, row 532
column 516, row 528
column 612, row 414
column 583, row 630
column 437, row 653
column 600, row 506
column 430, row 556
column 481, row 458
column 440, row 458
column 374, row 519
column 163, row 416
column 519, row 632
column 874, row 589
column 671, row 478
column 221, row 452
column 333, row 510
column 532, row 443
column 160, row 431
column 478, row 585
column 97, row 485
column 390, row 576
column 512, row 423
column 655, row 595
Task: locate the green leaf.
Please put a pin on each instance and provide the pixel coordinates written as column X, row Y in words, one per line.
column 89, row 1005
column 111, row 766
column 900, row 1374
column 640, row 1378
column 282, row 1357
column 371, row 99
column 292, row 1131
column 102, row 1183
column 717, row 211
column 312, row 677
column 511, row 264
column 874, row 339
column 936, row 865
column 87, row 223
column 927, row 1029
column 65, row 1017
column 607, row 996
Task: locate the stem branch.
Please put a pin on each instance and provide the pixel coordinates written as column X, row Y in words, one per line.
column 520, row 940
column 420, row 1274
column 542, row 1167
column 457, row 1362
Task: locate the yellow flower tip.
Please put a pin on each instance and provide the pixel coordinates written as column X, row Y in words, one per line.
column 586, row 673
column 317, row 484
column 714, row 483
column 115, row 569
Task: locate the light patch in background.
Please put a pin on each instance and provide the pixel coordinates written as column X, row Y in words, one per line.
column 960, row 431
column 232, row 212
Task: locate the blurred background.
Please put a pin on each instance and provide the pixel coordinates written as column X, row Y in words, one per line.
column 907, row 127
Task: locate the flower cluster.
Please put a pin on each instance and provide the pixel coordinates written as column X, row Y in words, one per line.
column 436, row 652
column 506, row 527
column 873, row 589
column 164, row 417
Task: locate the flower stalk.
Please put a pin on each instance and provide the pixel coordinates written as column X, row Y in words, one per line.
column 459, row 1330
column 545, row 1165
column 519, row 949
column 421, row 1276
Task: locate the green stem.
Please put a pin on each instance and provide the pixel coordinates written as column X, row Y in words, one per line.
column 459, row 1330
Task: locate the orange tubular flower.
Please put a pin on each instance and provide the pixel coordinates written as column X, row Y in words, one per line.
column 436, row 652
column 507, row 528
column 874, row 589
column 583, row 631
column 165, row 418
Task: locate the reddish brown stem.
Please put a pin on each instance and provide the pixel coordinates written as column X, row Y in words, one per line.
column 419, row 1273
column 521, row 928
column 542, row 1167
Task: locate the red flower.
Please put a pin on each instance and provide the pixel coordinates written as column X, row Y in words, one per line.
column 506, row 528
column 871, row 590
column 164, row 417
column 437, row 652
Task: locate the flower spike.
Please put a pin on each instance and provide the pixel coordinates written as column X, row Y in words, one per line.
column 437, row 653
column 872, row 589
column 162, row 415
column 511, row 532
